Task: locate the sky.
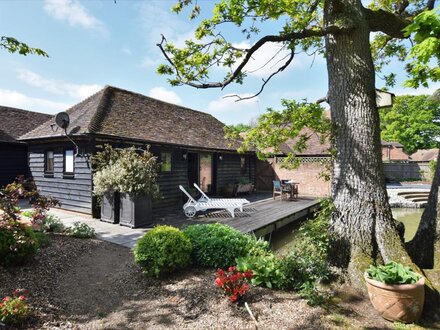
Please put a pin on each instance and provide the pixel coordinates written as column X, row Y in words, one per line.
column 99, row 42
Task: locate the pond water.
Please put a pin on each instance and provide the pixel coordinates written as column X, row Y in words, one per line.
column 410, row 217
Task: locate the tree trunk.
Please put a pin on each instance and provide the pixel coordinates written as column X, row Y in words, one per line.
column 363, row 228
column 425, row 246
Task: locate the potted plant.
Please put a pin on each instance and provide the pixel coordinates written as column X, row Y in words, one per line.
column 105, row 187
column 105, row 182
column 396, row 292
column 137, row 186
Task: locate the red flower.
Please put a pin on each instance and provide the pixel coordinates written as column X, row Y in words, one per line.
column 233, row 283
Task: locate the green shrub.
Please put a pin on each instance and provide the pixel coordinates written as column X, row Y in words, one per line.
column 216, row 245
column 80, row 230
column 28, row 213
column 267, row 269
column 52, row 224
column 18, row 243
column 306, row 264
column 42, row 238
column 163, row 250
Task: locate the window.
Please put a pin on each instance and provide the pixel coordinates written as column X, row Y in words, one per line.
column 243, row 165
column 48, row 162
column 165, row 165
column 69, row 160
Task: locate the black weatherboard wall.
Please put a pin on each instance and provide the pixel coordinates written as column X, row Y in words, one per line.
column 74, row 193
column 229, row 170
column 13, row 162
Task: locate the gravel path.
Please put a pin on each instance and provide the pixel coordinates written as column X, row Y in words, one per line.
column 91, row 284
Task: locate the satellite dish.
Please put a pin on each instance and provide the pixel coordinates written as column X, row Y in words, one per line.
column 62, row 120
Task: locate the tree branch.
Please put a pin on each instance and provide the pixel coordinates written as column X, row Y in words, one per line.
column 265, row 81
column 386, row 22
column 333, row 29
column 322, row 100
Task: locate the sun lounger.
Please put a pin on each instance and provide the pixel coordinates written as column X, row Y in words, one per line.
column 191, row 207
column 205, row 198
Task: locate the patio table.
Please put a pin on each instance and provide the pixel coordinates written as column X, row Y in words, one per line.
column 292, row 187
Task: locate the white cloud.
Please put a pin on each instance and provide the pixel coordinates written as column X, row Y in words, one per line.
column 126, row 50
column 74, row 13
column 164, row 94
column 148, row 62
column 228, row 104
column 16, row 99
column 156, row 20
column 76, row 91
column 227, row 110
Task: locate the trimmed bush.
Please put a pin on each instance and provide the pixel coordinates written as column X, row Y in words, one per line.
column 163, row 250
column 18, row 243
column 216, row 245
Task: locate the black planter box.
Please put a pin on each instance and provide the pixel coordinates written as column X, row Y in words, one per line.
column 110, row 207
column 135, row 211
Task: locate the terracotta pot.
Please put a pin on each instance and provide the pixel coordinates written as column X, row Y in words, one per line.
column 398, row 302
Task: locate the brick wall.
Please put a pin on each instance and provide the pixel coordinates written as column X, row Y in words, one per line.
column 307, row 174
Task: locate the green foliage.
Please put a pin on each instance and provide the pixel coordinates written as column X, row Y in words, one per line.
column 267, row 269
column 209, row 49
column 18, row 243
column 426, row 31
column 128, row 170
column 12, row 45
column 53, row 224
column 15, row 309
column 42, row 238
column 393, row 273
column 275, row 127
column 216, row 245
column 163, row 250
column 306, row 263
column 237, row 129
column 413, row 121
column 27, row 213
column 80, row 230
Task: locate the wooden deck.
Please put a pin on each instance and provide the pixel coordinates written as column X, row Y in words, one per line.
column 260, row 218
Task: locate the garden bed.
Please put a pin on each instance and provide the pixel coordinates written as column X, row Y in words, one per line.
column 91, row 284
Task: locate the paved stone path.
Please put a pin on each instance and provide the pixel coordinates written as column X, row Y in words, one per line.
column 113, row 233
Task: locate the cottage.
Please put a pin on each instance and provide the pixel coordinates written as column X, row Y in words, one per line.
column 189, row 144
column 13, row 153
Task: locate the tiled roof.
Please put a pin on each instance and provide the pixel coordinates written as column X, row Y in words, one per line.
column 121, row 113
column 425, row 155
column 16, row 122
